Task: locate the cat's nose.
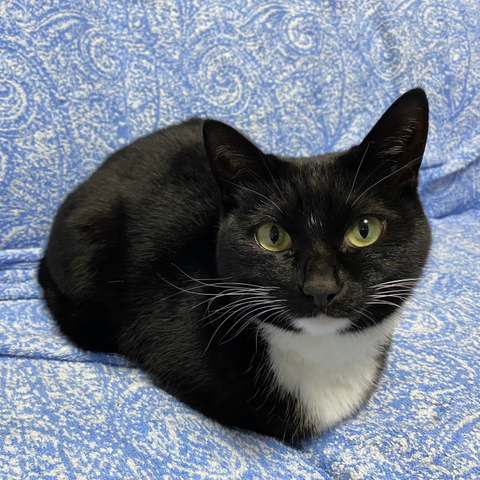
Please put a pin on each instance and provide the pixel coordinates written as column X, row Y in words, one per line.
column 321, row 296
column 320, row 283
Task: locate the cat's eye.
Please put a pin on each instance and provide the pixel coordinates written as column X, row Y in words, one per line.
column 364, row 231
column 272, row 237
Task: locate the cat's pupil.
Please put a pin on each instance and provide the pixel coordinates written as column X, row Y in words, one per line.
column 274, row 234
column 363, row 228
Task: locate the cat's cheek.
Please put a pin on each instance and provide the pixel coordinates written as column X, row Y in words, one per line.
column 250, row 263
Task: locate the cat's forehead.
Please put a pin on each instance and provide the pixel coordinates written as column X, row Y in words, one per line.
column 318, row 179
column 318, row 171
column 320, row 192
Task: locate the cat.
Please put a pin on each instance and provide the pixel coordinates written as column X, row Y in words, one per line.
column 261, row 291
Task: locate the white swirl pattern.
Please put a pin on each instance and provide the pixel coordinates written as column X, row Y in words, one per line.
column 79, row 79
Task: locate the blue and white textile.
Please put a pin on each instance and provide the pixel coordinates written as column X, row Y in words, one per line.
column 81, row 78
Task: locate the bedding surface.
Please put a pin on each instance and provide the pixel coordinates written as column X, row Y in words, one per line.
column 80, row 79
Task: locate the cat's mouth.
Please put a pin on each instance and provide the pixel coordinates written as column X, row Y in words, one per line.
column 321, row 324
column 337, row 317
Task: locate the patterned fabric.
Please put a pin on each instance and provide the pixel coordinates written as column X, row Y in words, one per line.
column 80, row 79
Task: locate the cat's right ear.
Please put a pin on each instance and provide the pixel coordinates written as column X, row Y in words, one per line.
column 235, row 161
column 395, row 145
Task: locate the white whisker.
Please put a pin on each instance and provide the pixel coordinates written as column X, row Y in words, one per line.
column 358, row 170
column 384, row 302
column 261, row 195
column 369, row 316
column 236, row 312
column 249, row 321
column 384, row 178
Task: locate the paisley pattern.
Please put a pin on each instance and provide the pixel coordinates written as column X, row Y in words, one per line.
column 79, row 79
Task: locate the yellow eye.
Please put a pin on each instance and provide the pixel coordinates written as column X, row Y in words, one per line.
column 273, row 237
column 364, row 232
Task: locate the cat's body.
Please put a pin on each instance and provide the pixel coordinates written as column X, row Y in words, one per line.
column 160, row 256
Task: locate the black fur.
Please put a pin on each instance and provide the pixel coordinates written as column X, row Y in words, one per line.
column 137, row 250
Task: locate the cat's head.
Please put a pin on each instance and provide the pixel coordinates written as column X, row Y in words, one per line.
column 334, row 242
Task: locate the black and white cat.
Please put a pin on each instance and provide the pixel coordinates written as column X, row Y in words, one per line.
column 261, row 291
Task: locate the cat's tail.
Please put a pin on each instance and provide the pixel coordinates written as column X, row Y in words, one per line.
column 85, row 323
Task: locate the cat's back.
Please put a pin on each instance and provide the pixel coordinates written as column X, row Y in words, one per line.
column 170, row 155
column 159, row 190
column 156, row 176
column 164, row 175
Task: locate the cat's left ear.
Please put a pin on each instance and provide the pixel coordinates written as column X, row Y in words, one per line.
column 398, row 139
column 234, row 160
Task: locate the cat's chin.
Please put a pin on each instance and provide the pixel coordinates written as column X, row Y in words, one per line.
column 321, row 325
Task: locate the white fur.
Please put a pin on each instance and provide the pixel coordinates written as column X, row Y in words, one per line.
column 328, row 372
column 321, row 325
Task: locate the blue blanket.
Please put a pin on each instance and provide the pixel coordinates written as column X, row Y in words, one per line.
column 80, row 79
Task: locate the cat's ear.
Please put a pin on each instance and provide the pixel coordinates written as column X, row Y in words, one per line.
column 398, row 139
column 234, row 160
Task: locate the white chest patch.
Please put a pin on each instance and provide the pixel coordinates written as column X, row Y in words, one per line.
column 329, row 373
